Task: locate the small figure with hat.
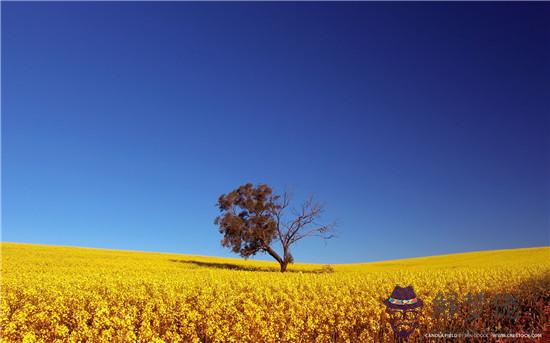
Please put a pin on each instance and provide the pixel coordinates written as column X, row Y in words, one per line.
column 403, row 308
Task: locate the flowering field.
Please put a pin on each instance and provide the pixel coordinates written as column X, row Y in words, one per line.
column 58, row 294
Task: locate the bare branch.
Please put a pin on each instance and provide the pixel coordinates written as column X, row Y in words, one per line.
column 278, row 213
column 323, row 232
column 306, row 217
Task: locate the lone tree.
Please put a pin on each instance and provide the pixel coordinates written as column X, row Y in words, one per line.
column 253, row 218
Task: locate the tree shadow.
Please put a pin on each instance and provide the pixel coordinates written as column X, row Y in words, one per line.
column 233, row 266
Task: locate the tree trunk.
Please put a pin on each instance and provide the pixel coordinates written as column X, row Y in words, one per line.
column 282, row 261
column 286, row 259
column 278, row 258
column 284, row 264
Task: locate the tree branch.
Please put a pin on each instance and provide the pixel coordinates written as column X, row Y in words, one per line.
column 273, row 254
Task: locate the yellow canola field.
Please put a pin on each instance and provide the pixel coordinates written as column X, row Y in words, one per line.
column 62, row 294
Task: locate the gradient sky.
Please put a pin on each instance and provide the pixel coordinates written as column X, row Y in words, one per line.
column 423, row 127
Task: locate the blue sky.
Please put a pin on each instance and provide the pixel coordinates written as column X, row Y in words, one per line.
column 423, row 127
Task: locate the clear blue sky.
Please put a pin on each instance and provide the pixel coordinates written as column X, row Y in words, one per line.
column 424, row 127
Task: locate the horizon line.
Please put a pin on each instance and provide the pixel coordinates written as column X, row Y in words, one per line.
column 268, row 261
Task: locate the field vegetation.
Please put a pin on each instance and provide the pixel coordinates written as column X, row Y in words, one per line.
column 62, row 294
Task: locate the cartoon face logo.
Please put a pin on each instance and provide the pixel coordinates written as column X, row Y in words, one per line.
column 403, row 308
